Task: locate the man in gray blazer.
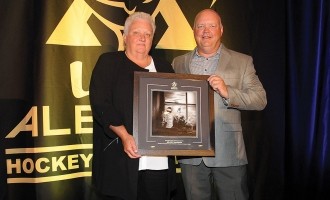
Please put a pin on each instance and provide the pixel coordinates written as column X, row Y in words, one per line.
column 237, row 87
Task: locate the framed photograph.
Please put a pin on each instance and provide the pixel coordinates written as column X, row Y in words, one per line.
column 173, row 114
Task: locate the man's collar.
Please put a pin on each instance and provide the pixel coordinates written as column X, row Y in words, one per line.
column 217, row 53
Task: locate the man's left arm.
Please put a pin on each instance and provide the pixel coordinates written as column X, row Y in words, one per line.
column 251, row 95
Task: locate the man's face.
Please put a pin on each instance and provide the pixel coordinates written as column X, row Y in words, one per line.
column 139, row 37
column 207, row 31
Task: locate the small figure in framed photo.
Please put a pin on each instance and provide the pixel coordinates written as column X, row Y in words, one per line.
column 168, row 118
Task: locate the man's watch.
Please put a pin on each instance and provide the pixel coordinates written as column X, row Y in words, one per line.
column 225, row 101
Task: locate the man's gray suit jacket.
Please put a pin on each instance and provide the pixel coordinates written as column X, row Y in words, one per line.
column 245, row 93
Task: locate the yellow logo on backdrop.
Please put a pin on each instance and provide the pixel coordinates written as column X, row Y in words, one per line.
column 37, row 161
column 178, row 35
column 47, row 162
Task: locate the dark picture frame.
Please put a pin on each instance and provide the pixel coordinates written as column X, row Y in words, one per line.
column 173, row 114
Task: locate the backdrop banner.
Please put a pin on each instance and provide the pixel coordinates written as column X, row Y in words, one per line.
column 46, row 122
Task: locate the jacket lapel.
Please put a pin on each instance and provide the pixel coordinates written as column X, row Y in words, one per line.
column 224, row 59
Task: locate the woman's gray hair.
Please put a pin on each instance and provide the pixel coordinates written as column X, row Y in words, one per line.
column 136, row 16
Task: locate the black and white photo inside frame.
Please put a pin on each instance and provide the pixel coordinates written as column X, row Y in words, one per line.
column 178, row 113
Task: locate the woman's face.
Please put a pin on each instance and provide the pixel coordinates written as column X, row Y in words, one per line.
column 139, row 37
